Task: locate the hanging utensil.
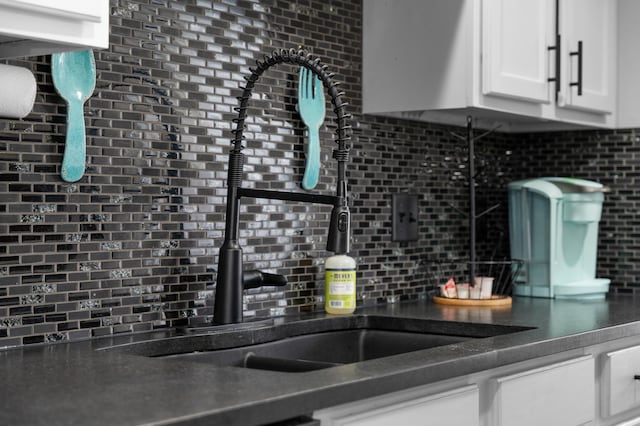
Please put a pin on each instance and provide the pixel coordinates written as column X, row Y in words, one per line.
column 74, row 77
column 311, row 106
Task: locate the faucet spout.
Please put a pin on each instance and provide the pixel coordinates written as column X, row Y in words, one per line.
column 232, row 279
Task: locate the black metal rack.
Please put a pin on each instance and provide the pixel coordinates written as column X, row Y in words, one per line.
column 473, row 215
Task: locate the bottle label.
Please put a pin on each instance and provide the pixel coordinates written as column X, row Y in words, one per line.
column 340, row 288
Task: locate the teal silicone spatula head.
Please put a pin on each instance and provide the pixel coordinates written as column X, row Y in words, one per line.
column 74, row 77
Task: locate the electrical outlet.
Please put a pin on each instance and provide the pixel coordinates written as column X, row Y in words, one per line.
column 405, row 217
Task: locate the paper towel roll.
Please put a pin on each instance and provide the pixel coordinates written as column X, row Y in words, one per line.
column 17, row 91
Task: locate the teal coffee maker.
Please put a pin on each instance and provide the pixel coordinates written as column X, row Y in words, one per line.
column 553, row 226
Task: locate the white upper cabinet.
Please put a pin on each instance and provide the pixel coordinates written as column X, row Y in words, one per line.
column 516, row 63
column 40, row 27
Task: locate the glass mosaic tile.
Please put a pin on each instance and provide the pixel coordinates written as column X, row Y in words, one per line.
column 133, row 245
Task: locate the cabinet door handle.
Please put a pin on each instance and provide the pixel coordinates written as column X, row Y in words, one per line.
column 636, row 377
column 579, row 54
column 556, row 77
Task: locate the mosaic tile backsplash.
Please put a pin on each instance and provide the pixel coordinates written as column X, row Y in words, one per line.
column 133, row 245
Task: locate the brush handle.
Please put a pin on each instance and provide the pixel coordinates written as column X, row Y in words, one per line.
column 75, row 150
column 312, row 168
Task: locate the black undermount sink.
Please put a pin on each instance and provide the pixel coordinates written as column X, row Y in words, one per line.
column 313, row 344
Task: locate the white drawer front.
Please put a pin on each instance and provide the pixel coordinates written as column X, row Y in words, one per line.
column 560, row 394
column 453, row 408
column 620, row 390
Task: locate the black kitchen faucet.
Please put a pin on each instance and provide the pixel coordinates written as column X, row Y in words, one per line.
column 232, row 279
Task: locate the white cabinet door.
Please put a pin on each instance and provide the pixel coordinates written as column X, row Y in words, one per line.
column 621, row 389
column 590, row 24
column 413, row 407
column 561, row 394
column 516, row 35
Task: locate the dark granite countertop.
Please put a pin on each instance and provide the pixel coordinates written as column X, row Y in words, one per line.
column 73, row 383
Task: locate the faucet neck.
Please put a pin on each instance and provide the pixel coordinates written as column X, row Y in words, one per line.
column 301, row 58
column 229, row 287
column 236, row 158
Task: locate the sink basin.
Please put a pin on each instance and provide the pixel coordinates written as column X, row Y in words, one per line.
column 313, row 344
column 322, row 350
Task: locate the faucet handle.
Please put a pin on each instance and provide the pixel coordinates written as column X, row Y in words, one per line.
column 255, row 279
column 339, row 230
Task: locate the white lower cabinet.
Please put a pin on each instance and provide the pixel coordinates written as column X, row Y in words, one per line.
column 594, row 385
column 416, row 406
column 546, row 391
column 560, row 394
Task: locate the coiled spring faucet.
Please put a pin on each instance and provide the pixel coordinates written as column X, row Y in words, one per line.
column 232, row 279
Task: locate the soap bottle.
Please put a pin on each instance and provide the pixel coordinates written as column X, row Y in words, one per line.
column 340, row 285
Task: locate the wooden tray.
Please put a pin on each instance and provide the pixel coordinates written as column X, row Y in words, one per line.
column 496, row 300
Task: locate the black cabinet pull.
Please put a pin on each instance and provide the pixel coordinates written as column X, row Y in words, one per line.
column 579, row 54
column 558, row 56
column 636, row 377
column 556, row 77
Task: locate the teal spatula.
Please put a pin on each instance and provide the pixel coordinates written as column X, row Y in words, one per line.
column 74, row 77
column 311, row 106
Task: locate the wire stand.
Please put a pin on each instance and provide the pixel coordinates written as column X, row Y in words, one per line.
column 473, row 216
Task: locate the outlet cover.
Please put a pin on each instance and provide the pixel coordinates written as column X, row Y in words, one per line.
column 405, row 217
